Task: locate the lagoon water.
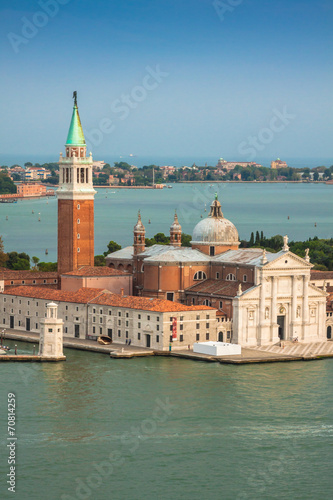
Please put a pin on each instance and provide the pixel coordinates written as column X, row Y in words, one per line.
column 250, row 206
column 159, row 428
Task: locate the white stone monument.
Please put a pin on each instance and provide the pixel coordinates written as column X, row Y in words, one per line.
column 51, row 335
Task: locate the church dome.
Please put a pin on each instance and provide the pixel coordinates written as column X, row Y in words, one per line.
column 215, row 229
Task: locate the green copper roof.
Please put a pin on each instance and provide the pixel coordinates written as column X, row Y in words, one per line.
column 75, row 134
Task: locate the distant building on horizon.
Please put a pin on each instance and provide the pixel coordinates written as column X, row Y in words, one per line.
column 230, row 165
column 278, row 164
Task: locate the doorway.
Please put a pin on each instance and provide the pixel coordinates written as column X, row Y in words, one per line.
column 11, row 322
column 110, row 333
column 281, row 323
column 27, row 324
column 220, row 336
column 77, row 331
column 148, row 340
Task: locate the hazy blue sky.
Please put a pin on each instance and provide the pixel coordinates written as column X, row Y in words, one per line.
column 226, row 73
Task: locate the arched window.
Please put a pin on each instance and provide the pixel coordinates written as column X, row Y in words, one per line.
column 200, row 275
column 207, row 303
column 142, row 268
column 231, row 277
column 244, row 278
column 329, row 332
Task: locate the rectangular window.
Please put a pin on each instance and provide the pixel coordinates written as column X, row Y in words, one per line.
column 157, row 327
column 207, row 336
column 126, row 323
column 181, row 327
column 126, row 315
column 198, row 317
column 217, row 275
column 207, row 325
column 126, row 333
column 157, row 338
column 148, row 318
column 66, row 318
column 101, row 331
column 94, row 310
column 119, row 313
column 139, row 335
column 36, row 313
column 207, row 316
column 101, row 320
column 228, row 335
column 94, row 329
column 139, row 316
column 197, row 326
column 66, row 308
column 36, row 326
column 169, row 296
column 139, row 325
column 157, row 318
column 193, row 301
column 66, row 330
column 171, row 328
column 181, row 318
column 170, row 338
column 110, row 312
column 181, row 338
column 197, row 337
column 119, row 333
column 77, row 308
column 119, row 322
column 101, row 311
column 220, row 304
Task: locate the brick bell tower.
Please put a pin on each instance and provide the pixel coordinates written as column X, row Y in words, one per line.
column 75, row 201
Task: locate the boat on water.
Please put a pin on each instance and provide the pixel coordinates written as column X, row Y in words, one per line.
column 104, row 340
column 2, row 352
column 8, row 200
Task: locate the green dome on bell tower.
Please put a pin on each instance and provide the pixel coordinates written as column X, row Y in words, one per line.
column 75, row 134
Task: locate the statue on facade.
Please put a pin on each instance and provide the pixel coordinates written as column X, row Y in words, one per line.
column 285, row 244
column 307, row 258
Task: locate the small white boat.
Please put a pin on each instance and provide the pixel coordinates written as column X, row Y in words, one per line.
column 2, row 352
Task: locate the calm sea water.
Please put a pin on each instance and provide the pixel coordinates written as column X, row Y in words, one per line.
column 157, row 428
column 251, row 207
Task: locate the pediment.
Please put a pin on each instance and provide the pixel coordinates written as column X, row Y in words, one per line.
column 314, row 291
column 288, row 260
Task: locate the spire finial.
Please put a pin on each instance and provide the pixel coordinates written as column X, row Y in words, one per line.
column 216, row 196
column 75, row 97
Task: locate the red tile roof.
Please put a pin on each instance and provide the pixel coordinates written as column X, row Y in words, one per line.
column 103, row 297
column 10, row 274
column 218, row 287
column 145, row 303
column 81, row 296
column 90, row 271
column 321, row 275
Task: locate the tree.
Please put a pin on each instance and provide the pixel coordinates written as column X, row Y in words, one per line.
column 48, row 266
column 28, row 164
column 315, row 176
column 186, row 239
column 18, row 261
column 99, row 260
column 112, row 247
column 257, row 241
column 7, row 186
column 251, row 243
column 3, row 255
column 35, row 261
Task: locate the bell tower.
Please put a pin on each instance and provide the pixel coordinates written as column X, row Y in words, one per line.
column 75, row 201
column 139, row 236
column 176, row 233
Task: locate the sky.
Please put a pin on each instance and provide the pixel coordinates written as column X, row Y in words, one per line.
column 232, row 78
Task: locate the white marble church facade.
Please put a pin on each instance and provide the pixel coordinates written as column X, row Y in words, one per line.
column 282, row 305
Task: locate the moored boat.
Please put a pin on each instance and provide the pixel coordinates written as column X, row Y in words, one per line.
column 104, row 340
